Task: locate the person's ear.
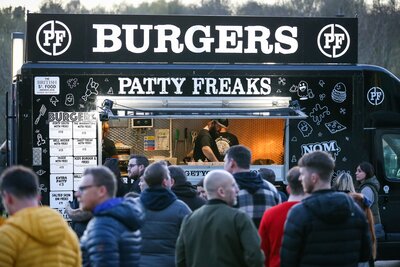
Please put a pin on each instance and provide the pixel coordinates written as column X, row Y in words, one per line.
column 288, row 190
column 221, row 191
column 102, row 190
column 8, row 198
column 172, row 182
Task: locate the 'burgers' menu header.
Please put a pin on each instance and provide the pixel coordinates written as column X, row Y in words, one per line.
column 169, row 39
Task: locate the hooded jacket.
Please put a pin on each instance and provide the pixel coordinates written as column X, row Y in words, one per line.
column 188, row 194
column 112, row 237
column 326, row 229
column 163, row 218
column 38, row 237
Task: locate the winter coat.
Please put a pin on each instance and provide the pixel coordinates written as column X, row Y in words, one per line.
column 112, row 237
column 38, row 237
column 327, row 227
column 188, row 194
column 163, row 218
column 374, row 185
column 218, row 235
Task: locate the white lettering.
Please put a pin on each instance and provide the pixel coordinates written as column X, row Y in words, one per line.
column 102, row 38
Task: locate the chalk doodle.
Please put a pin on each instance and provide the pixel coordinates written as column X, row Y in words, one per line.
column 110, row 91
column 340, row 172
column 72, row 83
column 302, row 90
column 320, row 134
column 69, row 100
column 36, row 156
column 322, row 97
column 294, row 139
column 318, row 113
column 42, row 111
column 335, row 126
column 344, row 159
column 321, row 83
column 342, row 111
column 40, row 140
column 339, row 93
column 41, row 172
column 278, row 91
column 91, row 89
column 42, row 188
column 327, row 146
column 281, row 81
column 294, row 159
column 54, row 100
column 305, row 128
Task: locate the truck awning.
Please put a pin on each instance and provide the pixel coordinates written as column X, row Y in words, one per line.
column 198, row 107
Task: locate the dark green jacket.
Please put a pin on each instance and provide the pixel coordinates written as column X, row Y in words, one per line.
column 373, row 183
column 218, row 235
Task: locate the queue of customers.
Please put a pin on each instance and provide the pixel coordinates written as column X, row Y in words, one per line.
column 160, row 219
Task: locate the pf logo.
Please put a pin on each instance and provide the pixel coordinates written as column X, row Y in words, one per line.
column 53, row 38
column 333, row 40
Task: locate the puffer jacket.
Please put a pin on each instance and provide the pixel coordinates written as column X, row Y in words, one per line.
column 326, row 229
column 112, row 237
column 163, row 218
column 38, row 237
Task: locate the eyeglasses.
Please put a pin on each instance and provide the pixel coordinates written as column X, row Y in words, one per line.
column 81, row 189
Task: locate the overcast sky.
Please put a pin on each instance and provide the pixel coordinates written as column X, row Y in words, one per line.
column 33, row 5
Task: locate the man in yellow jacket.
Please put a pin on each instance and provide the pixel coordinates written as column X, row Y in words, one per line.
column 33, row 235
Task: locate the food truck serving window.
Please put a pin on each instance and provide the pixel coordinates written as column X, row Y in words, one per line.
column 199, row 107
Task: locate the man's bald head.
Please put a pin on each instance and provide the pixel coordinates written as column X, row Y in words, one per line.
column 220, row 184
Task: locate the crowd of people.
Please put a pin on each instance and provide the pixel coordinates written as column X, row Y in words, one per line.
column 159, row 218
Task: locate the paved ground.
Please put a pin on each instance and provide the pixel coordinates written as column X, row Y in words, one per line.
column 387, row 264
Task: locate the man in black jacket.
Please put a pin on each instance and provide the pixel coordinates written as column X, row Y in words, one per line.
column 112, row 237
column 184, row 190
column 328, row 227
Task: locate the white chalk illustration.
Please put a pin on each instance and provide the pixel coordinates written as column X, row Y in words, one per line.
column 335, row 126
column 344, row 159
column 347, row 138
column 40, row 140
column 318, row 113
column 321, row 83
column 294, row 139
column 322, row 97
column 302, row 90
column 320, row 134
column 72, row 83
column 36, row 156
column 281, row 81
column 294, row 159
column 110, row 91
column 42, row 188
column 278, row 91
column 69, row 100
column 342, row 111
column 339, row 93
column 91, row 89
column 305, row 128
column 42, row 111
column 40, row 172
column 54, row 100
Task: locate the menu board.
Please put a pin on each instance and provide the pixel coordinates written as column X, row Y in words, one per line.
column 73, row 148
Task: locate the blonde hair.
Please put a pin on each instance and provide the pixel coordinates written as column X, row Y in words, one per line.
column 344, row 182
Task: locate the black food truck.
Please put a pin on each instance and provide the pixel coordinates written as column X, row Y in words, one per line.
column 288, row 86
